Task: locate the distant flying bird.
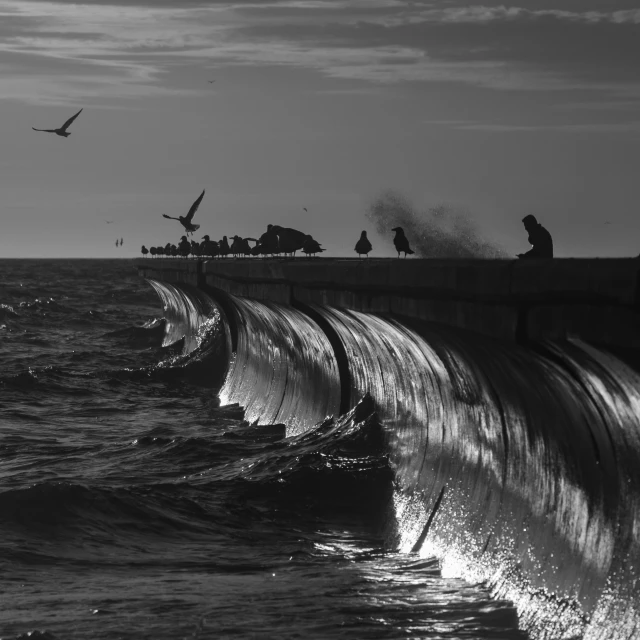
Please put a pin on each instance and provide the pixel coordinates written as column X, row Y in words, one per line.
column 305, row 208
column 109, row 221
column 401, row 242
column 121, row 241
column 62, row 131
column 211, row 81
column 185, row 221
column 363, row 245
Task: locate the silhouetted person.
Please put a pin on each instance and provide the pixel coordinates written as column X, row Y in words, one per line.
column 185, row 221
column 311, row 246
column 62, row 131
column 363, row 245
column 400, row 241
column 539, row 239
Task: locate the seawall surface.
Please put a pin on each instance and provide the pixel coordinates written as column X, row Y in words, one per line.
column 512, row 428
column 597, row 300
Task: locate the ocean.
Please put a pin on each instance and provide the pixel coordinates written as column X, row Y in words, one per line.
column 135, row 504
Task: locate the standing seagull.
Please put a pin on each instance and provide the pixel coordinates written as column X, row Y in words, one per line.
column 363, row 245
column 62, row 131
column 401, row 242
column 185, row 221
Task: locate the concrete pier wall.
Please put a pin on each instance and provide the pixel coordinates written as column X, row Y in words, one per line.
column 596, row 300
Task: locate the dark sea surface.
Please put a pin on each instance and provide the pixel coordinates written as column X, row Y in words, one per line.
column 133, row 505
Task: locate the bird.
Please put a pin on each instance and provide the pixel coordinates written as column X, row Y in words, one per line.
column 223, row 246
column 109, row 221
column 363, row 245
column 62, row 131
column 311, row 246
column 305, row 208
column 211, row 81
column 267, row 243
column 121, row 241
column 144, row 251
column 184, row 248
column 401, row 242
column 289, row 240
column 185, row 221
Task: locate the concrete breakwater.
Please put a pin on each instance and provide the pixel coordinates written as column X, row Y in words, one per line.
column 512, row 428
column 597, row 300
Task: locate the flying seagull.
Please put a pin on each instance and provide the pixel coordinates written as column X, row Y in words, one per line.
column 62, row 131
column 211, row 81
column 185, row 221
column 305, row 208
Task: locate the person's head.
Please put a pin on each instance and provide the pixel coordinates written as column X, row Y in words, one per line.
column 529, row 222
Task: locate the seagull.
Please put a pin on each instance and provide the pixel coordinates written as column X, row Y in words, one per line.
column 401, row 242
column 305, row 208
column 185, row 221
column 62, row 131
column 363, row 245
column 211, row 81
column 311, row 246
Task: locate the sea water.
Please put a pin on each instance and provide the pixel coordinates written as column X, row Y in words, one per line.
column 134, row 505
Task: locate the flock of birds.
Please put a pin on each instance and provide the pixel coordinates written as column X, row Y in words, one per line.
column 276, row 240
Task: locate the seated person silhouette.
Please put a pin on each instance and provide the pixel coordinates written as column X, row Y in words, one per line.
column 539, row 238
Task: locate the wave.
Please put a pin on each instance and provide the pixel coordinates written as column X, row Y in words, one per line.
column 514, row 465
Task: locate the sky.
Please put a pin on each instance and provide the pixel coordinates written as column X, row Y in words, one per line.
column 491, row 109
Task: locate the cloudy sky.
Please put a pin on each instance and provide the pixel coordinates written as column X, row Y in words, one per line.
column 493, row 109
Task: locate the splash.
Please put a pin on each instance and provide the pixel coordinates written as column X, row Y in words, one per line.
column 438, row 232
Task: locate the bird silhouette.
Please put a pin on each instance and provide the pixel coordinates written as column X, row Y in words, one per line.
column 363, row 245
column 305, row 208
column 400, row 241
column 144, row 251
column 109, row 221
column 211, row 81
column 62, row 131
column 289, row 240
column 185, row 221
column 311, row 246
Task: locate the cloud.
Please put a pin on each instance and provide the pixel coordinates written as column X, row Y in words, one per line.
column 130, row 48
column 595, row 127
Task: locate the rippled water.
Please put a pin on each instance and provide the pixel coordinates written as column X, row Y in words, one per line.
column 133, row 505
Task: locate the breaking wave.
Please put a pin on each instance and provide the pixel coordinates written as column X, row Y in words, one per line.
column 515, row 466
